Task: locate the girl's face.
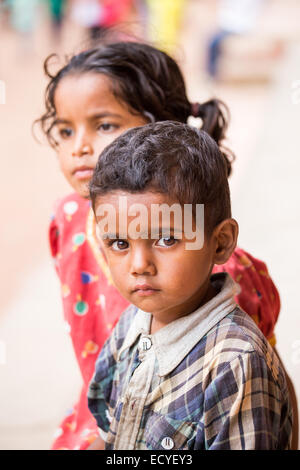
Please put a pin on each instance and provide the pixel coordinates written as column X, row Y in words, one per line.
column 88, row 118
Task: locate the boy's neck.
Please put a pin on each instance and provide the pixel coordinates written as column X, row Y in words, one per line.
column 160, row 321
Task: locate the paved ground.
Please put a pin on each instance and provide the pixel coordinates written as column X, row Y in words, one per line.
column 35, row 351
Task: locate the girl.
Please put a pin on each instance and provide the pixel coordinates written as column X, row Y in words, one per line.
column 94, row 98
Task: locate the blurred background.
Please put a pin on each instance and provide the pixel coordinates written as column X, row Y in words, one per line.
column 246, row 52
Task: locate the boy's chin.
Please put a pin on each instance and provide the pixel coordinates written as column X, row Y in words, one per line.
column 146, row 304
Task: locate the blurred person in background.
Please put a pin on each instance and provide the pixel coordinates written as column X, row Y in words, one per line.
column 24, row 18
column 57, row 11
column 237, row 17
column 164, row 21
column 86, row 13
column 99, row 15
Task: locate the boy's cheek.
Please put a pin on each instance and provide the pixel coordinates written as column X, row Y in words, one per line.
column 187, row 271
column 116, row 267
column 111, row 265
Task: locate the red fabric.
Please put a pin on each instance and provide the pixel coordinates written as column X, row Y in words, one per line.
column 258, row 295
column 92, row 305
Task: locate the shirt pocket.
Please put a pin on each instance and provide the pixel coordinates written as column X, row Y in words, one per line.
column 165, row 433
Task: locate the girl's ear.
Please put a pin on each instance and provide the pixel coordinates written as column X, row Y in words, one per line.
column 225, row 234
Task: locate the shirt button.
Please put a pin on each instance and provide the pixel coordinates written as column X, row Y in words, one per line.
column 145, row 344
column 167, row 443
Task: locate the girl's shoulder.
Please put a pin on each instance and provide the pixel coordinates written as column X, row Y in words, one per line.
column 258, row 295
column 68, row 222
column 70, row 208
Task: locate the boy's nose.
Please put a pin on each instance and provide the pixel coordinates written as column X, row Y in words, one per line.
column 142, row 263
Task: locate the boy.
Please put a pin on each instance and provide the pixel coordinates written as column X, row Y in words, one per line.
column 185, row 367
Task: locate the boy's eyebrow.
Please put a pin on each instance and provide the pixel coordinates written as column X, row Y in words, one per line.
column 109, row 236
column 159, row 230
column 170, row 230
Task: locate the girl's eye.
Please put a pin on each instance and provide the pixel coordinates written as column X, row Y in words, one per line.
column 64, row 133
column 166, row 241
column 119, row 245
column 107, row 127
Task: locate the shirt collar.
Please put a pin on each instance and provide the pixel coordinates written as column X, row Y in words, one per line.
column 173, row 342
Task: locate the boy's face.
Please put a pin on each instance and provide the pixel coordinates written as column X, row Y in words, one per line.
column 158, row 275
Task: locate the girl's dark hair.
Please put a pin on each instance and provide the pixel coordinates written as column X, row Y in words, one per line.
column 147, row 80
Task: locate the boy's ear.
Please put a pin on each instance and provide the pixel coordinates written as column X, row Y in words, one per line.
column 226, row 234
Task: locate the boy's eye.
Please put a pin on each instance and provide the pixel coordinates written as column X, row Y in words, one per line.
column 119, row 245
column 166, row 241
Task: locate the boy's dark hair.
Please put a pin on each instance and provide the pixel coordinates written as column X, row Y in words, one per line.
column 167, row 157
column 147, row 80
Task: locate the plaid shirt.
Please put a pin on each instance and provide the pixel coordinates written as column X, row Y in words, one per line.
column 208, row 380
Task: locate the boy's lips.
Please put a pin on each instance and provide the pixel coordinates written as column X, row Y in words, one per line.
column 83, row 172
column 144, row 290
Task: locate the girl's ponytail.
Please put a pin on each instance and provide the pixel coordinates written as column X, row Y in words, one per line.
column 215, row 118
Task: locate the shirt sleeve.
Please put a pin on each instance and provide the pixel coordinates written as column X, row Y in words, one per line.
column 104, row 387
column 100, row 387
column 246, row 408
